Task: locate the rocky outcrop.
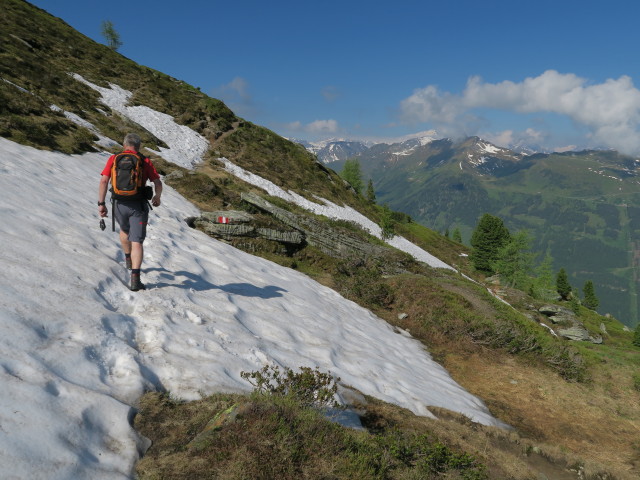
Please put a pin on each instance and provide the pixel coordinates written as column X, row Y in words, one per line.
column 208, row 223
column 289, row 232
column 234, row 216
column 578, row 332
column 331, row 241
column 575, row 330
column 230, row 224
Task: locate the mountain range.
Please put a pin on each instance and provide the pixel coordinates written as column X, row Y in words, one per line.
column 582, row 208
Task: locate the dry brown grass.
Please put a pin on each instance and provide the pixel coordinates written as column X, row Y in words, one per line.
column 595, row 423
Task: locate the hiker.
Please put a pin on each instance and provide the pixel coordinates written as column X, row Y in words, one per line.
column 130, row 202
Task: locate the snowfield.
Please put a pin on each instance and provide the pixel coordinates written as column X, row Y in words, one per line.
column 186, row 147
column 78, row 349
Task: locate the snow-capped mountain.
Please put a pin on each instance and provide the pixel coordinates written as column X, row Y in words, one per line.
column 480, row 153
column 333, row 150
column 340, row 150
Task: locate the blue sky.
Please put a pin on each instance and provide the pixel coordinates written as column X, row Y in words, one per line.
column 559, row 74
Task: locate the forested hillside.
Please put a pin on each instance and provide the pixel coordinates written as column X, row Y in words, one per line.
column 582, row 208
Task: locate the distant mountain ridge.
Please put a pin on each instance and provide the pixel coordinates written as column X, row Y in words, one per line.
column 581, row 207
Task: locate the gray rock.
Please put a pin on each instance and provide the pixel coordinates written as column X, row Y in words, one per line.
column 550, row 310
column 225, row 230
column 176, row 174
column 293, row 237
column 402, row 316
column 576, row 332
column 603, row 328
column 562, row 319
column 318, row 234
column 234, row 216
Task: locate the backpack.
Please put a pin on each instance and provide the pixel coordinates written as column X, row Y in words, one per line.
column 126, row 177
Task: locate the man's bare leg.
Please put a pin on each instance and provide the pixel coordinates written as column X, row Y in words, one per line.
column 137, row 252
column 124, row 241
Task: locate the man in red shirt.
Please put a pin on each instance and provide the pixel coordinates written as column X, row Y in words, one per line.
column 131, row 214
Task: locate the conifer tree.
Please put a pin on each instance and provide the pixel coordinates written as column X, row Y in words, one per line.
column 110, row 34
column 515, row 261
column 563, row 287
column 489, row 236
column 636, row 336
column 351, row 173
column 457, row 236
column 371, row 193
column 590, row 300
column 544, row 282
column 386, row 223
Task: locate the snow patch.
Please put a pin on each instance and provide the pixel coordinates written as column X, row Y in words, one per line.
column 103, row 141
column 186, row 147
column 331, row 210
column 78, row 348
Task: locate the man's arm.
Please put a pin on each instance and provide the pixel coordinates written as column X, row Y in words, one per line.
column 102, row 194
column 155, row 201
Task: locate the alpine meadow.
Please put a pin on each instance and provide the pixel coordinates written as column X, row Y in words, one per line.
column 296, row 324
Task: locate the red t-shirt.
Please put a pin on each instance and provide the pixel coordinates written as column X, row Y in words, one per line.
column 148, row 172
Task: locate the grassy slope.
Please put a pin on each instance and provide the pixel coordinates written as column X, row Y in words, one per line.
column 485, row 346
column 569, row 202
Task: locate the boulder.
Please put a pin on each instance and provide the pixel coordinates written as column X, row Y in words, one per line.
column 550, row 310
column 563, row 319
column 576, row 332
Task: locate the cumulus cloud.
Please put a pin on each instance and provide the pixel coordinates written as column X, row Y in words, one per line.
column 610, row 110
column 238, row 86
column 509, row 138
column 237, row 95
column 315, row 127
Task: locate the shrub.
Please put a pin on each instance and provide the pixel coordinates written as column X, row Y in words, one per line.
column 432, row 459
column 309, row 387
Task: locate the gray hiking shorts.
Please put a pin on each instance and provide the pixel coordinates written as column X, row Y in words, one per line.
column 132, row 218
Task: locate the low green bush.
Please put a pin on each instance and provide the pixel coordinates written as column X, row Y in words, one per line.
column 308, row 386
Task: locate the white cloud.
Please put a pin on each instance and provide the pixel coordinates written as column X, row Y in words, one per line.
column 315, row 127
column 238, row 86
column 322, row 126
column 610, row 110
column 510, row 138
column 236, row 94
column 330, row 93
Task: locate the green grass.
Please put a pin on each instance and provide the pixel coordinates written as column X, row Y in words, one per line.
column 272, row 436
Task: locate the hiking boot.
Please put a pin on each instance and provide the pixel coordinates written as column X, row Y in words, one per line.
column 128, row 262
column 136, row 284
